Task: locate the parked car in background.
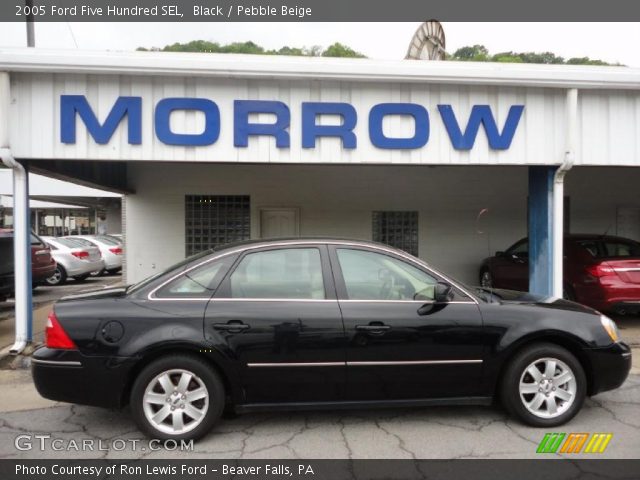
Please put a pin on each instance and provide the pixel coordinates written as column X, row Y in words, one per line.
column 73, row 259
column 110, row 248
column 294, row 324
column 600, row 271
column 42, row 263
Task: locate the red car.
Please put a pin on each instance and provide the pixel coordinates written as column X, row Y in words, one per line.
column 42, row 263
column 600, row 271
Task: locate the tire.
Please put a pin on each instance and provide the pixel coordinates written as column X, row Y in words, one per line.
column 97, row 273
column 486, row 280
column 113, row 271
column 538, row 356
column 173, row 367
column 81, row 278
column 58, row 278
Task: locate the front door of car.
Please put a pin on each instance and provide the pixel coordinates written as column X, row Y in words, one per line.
column 277, row 316
column 401, row 343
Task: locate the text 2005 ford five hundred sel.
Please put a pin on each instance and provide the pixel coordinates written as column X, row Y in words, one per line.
column 317, row 323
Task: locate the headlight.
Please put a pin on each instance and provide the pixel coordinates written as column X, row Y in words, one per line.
column 611, row 327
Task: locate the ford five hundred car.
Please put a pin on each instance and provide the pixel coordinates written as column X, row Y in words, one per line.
column 318, row 323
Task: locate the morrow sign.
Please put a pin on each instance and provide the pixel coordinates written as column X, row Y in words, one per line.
column 73, row 107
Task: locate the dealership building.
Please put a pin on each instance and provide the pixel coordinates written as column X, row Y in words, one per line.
column 449, row 161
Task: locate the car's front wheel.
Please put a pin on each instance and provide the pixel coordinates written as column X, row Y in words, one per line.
column 544, row 385
column 177, row 397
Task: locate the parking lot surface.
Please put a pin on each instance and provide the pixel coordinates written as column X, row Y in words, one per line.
column 437, row 432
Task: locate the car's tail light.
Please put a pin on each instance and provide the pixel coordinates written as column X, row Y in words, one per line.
column 600, row 270
column 116, row 250
column 55, row 336
column 80, row 254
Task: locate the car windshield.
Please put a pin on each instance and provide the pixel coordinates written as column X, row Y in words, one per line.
column 178, row 267
column 80, row 241
column 610, row 248
column 107, row 239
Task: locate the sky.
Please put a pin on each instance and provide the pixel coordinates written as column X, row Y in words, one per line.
column 612, row 42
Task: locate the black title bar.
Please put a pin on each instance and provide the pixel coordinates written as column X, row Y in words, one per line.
column 318, row 10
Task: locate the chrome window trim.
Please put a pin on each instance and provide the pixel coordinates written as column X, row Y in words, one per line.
column 627, row 269
column 363, row 364
column 409, row 258
column 61, row 363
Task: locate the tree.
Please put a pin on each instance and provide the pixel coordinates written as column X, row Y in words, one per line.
column 480, row 53
column 249, row 47
column 340, row 50
column 477, row 53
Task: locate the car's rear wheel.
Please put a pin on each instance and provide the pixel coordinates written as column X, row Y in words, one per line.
column 544, row 385
column 486, row 281
column 177, row 397
column 58, row 277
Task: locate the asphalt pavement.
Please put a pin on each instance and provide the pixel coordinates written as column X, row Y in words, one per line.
column 435, row 432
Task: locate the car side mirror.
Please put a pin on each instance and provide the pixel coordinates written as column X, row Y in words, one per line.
column 443, row 292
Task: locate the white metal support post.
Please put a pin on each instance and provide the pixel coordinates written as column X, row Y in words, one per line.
column 21, row 226
column 558, row 190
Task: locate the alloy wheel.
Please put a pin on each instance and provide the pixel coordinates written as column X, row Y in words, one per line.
column 55, row 278
column 175, row 401
column 547, row 387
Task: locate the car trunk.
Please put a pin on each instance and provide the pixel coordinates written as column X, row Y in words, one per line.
column 628, row 269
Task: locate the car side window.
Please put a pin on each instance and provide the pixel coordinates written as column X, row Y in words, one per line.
column 520, row 249
column 197, row 283
column 375, row 276
column 279, row 274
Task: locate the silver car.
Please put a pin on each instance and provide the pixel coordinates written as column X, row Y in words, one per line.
column 110, row 248
column 73, row 259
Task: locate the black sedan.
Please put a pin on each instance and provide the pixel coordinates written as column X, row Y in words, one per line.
column 317, row 323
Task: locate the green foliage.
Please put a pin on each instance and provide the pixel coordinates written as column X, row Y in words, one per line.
column 203, row 46
column 340, row 50
column 479, row 53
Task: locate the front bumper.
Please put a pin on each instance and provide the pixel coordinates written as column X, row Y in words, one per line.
column 69, row 376
column 610, row 366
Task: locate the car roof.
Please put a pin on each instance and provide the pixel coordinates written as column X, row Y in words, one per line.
column 266, row 242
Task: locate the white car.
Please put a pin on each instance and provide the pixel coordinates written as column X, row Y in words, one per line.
column 73, row 259
column 110, row 248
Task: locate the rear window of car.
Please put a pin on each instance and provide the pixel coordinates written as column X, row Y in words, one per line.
column 610, row 248
column 107, row 239
column 80, row 241
column 616, row 248
column 68, row 242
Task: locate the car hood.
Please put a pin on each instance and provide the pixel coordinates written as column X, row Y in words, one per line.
column 513, row 297
column 107, row 292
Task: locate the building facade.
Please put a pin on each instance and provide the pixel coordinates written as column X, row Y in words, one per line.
column 435, row 158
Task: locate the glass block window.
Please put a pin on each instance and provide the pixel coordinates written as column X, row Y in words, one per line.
column 213, row 220
column 397, row 229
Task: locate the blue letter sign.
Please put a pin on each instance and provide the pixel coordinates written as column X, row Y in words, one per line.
column 311, row 130
column 420, row 120
column 242, row 127
column 480, row 114
column 211, row 121
column 72, row 104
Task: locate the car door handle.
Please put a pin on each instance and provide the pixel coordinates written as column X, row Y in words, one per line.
column 374, row 328
column 232, row 326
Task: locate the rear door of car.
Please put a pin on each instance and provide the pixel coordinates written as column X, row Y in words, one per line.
column 277, row 315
